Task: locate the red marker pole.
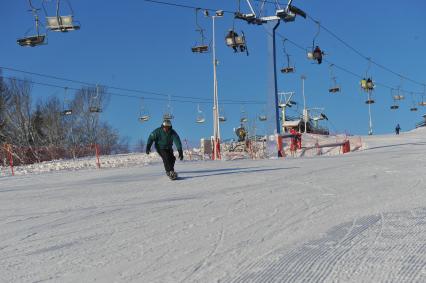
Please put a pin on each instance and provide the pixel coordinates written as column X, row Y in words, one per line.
column 98, row 163
column 9, row 153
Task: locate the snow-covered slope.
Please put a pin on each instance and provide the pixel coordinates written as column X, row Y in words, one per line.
column 359, row 217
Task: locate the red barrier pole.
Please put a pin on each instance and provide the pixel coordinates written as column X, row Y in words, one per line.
column 217, row 150
column 9, row 153
column 280, row 146
column 98, row 163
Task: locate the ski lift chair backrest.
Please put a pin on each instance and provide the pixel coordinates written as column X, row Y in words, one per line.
column 61, row 23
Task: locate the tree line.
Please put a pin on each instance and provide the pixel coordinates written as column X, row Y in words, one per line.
column 42, row 130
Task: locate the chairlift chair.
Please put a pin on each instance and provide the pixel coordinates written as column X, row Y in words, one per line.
column 168, row 116
column 143, row 115
column 263, row 118
column 334, row 89
column 413, row 100
column 62, row 23
column 94, row 106
column 66, row 111
column 289, row 68
column 243, row 117
column 249, row 18
column 289, row 13
column 367, row 84
column 369, row 101
column 33, row 40
column 316, row 53
column 422, row 103
column 144, row 118
column 199, row 48
column 200, row 116
column 200, row 120
column 334, row 86
column 395, row 98
column 95, row 109
column 222, row 119
column 235, row 41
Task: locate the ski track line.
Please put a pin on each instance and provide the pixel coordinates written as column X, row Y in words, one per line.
column 263, row 262
column 309, row 212
column 299, row 261
column 364, row 254
column 203, row 262
column 410, row 264
column 330, row 257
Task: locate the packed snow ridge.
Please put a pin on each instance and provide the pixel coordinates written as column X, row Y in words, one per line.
column 358, row 217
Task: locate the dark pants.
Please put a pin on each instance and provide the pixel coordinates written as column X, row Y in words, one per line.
column 168, row 159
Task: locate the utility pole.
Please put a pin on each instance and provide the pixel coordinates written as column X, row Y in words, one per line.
column 370, row 123
column 287, row 14
column 305, row 111
column 216, row 128
column 274, row 58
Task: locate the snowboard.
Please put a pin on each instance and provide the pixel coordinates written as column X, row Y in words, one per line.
column 173, row 175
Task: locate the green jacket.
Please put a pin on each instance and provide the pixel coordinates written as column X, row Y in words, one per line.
column 164, row 140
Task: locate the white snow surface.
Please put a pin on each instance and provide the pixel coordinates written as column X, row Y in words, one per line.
column 358, row 217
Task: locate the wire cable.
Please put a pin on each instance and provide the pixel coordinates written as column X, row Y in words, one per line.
column 125, row 89
column 317, row 23
column 236, row 102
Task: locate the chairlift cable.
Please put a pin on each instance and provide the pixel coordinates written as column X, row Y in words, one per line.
column 122, row 89
column 208, row 101
column 315, row 21
column 361, row 54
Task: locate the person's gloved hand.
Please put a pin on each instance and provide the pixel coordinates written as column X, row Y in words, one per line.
column 147, row 151
column 180, row 154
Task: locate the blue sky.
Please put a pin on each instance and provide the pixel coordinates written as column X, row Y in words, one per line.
column 146, row 46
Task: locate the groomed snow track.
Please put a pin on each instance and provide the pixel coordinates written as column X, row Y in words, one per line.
column 359, row 217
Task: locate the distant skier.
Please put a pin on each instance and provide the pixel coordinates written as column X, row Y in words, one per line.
column 163, row 138
column 397, row 129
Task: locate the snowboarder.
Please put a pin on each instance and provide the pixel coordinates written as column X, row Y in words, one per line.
column 397, row 129
column 163, row 138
